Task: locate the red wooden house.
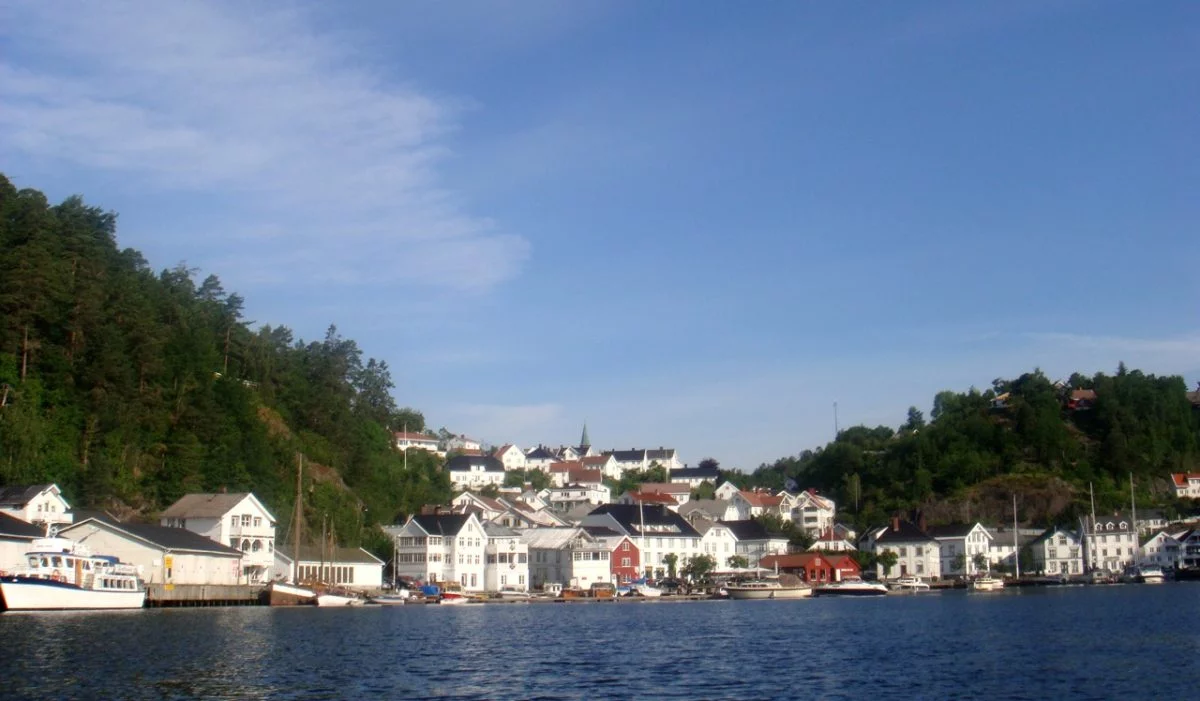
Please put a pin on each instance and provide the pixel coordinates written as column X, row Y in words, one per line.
column 814, row 568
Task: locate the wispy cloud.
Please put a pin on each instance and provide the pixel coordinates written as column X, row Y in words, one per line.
column 335, row 161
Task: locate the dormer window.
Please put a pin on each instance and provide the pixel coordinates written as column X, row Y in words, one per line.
column 1124, row 525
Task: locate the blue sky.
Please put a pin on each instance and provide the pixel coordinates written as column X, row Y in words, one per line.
column 690, row 224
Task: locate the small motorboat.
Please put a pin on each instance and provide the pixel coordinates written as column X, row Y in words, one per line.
column 782, row 587
column 986, row 583
column 851, row 586
column 909, row 584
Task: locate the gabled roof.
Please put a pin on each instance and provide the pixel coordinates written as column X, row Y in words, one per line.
column 441, row 524
column 496, row 530
column 666, row 488
column 761, row 499
column 627, row 455
column 631, row 516
column 161, row 537
column 596, row 460
column 905, row 532
column 749, row 529
column 335, row 555
column 209, row 505
column 563, row 466
column 953, row 530
column 708, row 473
column 660, row 454
column 11, row 527
column 602, row 532
column 414, row 437
column 1181, row 478
column 551, row 538
column 1083, row 395
column 714, row 508
column 505, row 448
column 1050, row 533
column 464, row 463
column 540, row 453
column 651, row 498
column 798, row 560
column 18, row 495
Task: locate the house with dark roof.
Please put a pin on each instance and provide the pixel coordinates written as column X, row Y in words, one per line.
column 238, row 519
column 917, row 553
column 1057, row 552
column 1109, row 542
column 657, row 531
column 475, row 471
column 352, row 568
column 37, row 503
column 540, row 458
column 163, row 555
column 695, row 476
column 442, row 547
column 16, row 536
column 960, row 545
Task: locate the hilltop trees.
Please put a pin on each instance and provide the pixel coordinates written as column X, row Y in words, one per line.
column 123, row 385
column 1027, row 429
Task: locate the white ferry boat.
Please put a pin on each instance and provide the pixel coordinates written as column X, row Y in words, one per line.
column 61, row 574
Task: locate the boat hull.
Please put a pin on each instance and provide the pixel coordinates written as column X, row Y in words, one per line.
column 24, row 594
column 768, row 594
column 330, row 600
column 849, row 591
column 281, row 594
column 452, row 600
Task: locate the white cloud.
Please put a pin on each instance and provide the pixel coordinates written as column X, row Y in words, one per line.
column 256, row 108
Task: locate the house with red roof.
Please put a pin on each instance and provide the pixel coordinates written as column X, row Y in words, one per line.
column 814, row 568
column 1186, row 484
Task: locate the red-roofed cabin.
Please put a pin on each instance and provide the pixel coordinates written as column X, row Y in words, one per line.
column 814, row 568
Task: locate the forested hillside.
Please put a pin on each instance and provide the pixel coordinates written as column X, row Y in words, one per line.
column 1025, row 437
column 129, row 387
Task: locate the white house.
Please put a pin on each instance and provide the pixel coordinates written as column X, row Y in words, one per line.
column 462, row 444
column 567, row 556
column 486, row 508
column 442, row 548
column 1164, row 549
column 813, row 512
column 679, row 491
column 568, row 497
column 475, row 471
column 604, row 463
column 754, row 542
column 960, row 546
column 540, row 458
column 406, row 440
column 512, row 457
column 695, row 476
column 1109, row 542
column 726, row 490
column 42, row 504
column 1057, row 552
column 162, row 555
column 506, row 559
column 1186, row 484
column 1004, row 545
column 16, row 539
column 917, row 554
column 573, row 472
column 717, row 541
column 751, row 503
column 352, row 568
column 238, row 520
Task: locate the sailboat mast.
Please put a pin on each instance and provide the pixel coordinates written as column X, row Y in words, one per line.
column 1137, row 541
column 1016, row 547
column 299, row 518
column 1091, row 539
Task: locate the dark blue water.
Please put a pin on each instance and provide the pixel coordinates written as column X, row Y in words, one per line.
column 1121, row 642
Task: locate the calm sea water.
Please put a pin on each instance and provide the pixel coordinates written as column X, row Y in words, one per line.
column 1119, row 642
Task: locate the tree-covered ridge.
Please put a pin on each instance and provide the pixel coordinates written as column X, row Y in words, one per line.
column 131, row 388
column 1026, row 436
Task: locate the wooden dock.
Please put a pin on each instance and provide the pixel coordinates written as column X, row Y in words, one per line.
column 180, row 595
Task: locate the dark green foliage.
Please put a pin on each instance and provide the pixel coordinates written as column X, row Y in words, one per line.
column 1139, row 424
column 124, row 386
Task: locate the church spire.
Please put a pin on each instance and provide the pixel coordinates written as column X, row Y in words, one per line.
column 584, row 441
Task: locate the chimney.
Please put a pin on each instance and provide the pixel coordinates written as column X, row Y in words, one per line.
column 896, row 524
